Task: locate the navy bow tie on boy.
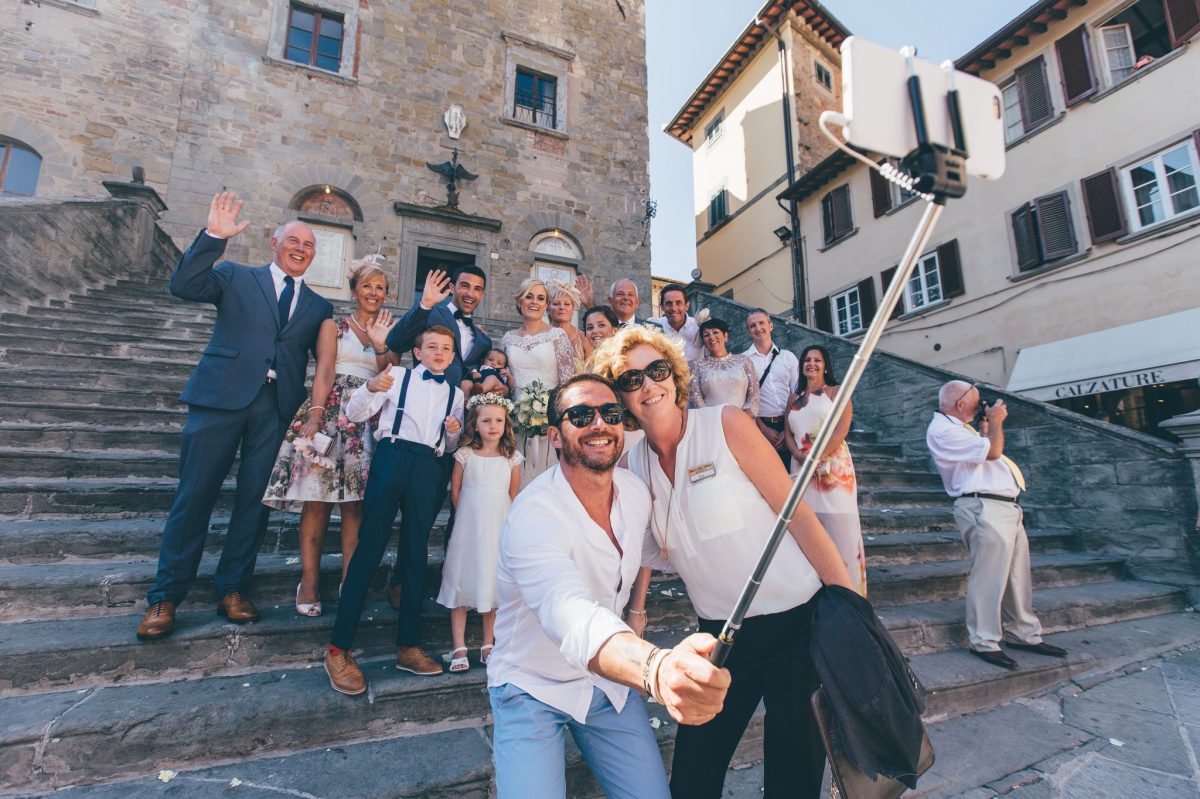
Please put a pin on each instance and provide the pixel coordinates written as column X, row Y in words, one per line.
column 433, row 377
column 285, row 299
column 466, row 320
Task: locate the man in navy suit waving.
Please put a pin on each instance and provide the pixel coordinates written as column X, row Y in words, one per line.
column 243, row 393
column 471, row 342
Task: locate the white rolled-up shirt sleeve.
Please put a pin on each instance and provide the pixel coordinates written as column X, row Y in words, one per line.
column 538, row 558
column 364, row 403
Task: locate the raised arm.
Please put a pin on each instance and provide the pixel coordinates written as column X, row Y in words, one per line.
column 759, row 462
column 403, row 336
column 194, row 277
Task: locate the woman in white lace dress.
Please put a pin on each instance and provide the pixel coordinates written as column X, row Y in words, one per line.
column 536, row 352
column 720, row 377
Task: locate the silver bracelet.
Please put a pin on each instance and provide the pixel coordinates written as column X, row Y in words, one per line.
column 637, row 612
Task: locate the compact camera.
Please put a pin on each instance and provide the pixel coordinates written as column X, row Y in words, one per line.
column 984, row 404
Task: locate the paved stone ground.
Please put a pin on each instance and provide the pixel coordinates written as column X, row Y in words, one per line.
column 1130, row 735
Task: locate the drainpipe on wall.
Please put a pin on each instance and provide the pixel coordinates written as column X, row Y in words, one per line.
column 799, row 312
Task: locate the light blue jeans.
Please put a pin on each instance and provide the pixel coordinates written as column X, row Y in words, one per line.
column 528, row 747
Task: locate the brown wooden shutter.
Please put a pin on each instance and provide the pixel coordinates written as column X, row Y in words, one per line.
column 881, row 194
column 885, row 280
column 827, row 217
column 1055, row 231
column 1034, row 94
column 843, row 221
column 823, row 315
column 866, row 300
column 951, row 270
column 1102, row 201
column 1183, row 20
column 1025, row 238
column 1075, row 64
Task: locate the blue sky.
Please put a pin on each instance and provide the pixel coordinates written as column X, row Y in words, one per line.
column 684, row 39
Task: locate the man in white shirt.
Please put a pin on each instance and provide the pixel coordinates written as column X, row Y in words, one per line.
column 676, row 323
column 986, row 485
column 778, row 374
column 569, row 554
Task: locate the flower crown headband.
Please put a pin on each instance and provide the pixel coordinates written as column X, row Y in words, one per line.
column 491, row 399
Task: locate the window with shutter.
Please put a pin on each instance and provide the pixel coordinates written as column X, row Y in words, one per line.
column 1075, row 64
column 1116, row 44
column 885, row 280
column 1106, row 218
column 881, row 196
column 847, row 312
column 717, row 208
column 1029, row 255
column 950, row 266
column 866, row 300
column 1034, row 93
column 1141, row 32
column 1163, row 186
column 837, row 221
column 1043, row 231
column 1183, row 19
column 823, row 314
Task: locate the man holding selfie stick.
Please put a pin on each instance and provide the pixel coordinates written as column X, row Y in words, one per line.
column 986, row 485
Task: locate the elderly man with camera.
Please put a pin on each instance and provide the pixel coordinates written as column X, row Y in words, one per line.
column 986, row 485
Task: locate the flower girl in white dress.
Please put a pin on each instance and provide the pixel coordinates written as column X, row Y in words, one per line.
column 486, row 477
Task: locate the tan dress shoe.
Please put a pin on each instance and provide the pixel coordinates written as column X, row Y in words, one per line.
column 344, row 674
column 416, row 660
column 158, row 622
column 393, row 597
column 237, row 608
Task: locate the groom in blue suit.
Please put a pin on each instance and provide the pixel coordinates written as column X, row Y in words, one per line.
column 243, row 394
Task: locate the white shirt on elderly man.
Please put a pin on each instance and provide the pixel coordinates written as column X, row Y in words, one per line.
column 961, row 457
column 424, row 412
column 563, row 587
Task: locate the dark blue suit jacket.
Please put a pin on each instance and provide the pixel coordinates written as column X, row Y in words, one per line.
column 404, row 337
column 246, row 339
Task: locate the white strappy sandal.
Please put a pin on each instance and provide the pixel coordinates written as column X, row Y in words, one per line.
column 461, row 663
column 485, row 652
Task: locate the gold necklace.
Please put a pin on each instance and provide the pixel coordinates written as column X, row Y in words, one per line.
column 664, row 551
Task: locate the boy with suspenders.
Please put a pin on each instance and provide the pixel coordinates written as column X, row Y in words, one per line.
column 420, row 417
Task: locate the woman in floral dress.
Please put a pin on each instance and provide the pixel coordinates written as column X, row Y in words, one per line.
column 350, row 351
column 537, row 353
column 833, row 492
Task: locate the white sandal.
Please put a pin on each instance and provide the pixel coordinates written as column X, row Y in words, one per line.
column 485, row 652
column 304, row 609
column 459, row 664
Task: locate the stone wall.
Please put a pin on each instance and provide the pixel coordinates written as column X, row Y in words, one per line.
column 196, row 94
column 1120, row 491
column 52, row 248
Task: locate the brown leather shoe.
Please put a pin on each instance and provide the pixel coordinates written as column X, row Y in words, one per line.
column 393, row 596
column 344, row 674
column 158, row 622
column 415, row 660
column 237, row 608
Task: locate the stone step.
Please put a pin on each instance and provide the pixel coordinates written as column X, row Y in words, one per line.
column 168, row 384
column 30, row 413
column 113, row 364
column 165, row 306
column 931, row 518
column 93, row 734
column 162, row 347
column 144, row 318
column 929, row 582
column 900, row 497
column 89, row 498
column 84, row 396
column 73, row 436
column 108, row 329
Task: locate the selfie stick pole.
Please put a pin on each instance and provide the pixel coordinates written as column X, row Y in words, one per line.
column 930, row 163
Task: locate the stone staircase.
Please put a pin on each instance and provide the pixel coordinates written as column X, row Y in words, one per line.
column 88, row 463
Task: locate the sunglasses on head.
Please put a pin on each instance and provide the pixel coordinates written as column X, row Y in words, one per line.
column 633, row 379
column 582, row 415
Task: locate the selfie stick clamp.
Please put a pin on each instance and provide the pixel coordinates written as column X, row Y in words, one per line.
column 935, row 172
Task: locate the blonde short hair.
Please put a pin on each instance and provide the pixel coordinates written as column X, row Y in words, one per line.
column 558, row 289
column 365, row 267
column 609, row 360
column 524, row 288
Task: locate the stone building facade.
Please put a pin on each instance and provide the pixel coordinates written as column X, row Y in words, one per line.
column 214, row 95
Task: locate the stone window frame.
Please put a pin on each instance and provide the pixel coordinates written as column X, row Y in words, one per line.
column 544, row 59
column 348, row 10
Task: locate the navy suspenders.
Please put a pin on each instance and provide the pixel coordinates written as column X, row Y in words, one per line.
column 404, row 398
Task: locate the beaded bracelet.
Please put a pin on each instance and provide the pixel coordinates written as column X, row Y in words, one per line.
column 646, row 670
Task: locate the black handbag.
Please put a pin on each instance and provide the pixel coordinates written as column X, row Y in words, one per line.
column 848, row 781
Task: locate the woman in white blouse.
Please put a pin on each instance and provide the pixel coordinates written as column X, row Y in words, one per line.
column 716, row 486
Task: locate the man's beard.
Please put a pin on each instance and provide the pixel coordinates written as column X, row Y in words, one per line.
column 578, row 455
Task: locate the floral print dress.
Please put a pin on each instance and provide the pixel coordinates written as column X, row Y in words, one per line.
column 833, row 492
column 298, row 478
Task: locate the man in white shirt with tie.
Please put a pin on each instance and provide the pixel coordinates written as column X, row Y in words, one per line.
column 570, row 551
column 778, row 373
column 986, row 485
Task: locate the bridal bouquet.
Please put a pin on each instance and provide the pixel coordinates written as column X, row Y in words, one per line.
column 531, row 417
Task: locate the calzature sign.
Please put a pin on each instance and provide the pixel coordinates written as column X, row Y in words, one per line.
column 1123, row 382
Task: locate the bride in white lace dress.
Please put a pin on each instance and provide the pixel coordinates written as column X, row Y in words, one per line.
column 536, row 351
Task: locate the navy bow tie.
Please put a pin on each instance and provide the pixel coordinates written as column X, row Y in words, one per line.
column 433, row 377
column 466, row 320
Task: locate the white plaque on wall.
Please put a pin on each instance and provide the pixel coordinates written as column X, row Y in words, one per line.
column 328, row 267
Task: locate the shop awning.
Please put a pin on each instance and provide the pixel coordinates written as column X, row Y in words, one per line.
column 1159, row 350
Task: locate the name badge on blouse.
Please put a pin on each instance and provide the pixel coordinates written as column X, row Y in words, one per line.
column 701, row 472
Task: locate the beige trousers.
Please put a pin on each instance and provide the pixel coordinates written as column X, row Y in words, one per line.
column 1000, row 589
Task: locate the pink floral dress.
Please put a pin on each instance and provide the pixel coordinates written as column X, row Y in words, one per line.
column 297, row 479
column 833, row 492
